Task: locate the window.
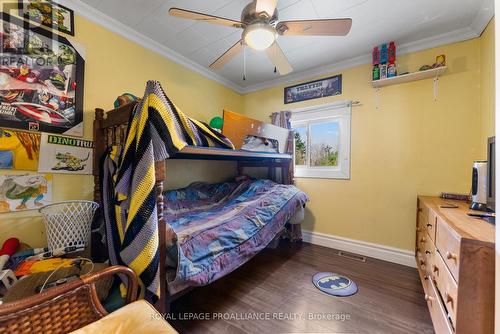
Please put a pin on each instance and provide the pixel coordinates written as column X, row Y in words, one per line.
column 322, row 141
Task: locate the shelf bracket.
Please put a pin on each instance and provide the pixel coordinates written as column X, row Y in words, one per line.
column 436, row 87
column 377, row 98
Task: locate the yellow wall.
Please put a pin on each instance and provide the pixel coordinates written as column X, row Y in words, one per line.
column 115, row 65
column 487, row 83
column 410, row 145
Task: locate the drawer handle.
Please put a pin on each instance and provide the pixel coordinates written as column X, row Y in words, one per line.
column 449, row 299
column 435, row 268
column 429, row 225
column 428, row 298
column 450, row 255
column 427, row 252
column 422, row 264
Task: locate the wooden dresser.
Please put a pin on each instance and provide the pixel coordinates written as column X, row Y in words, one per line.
column 455, row 257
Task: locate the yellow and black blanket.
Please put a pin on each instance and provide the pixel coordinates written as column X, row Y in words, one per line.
column 157, row 131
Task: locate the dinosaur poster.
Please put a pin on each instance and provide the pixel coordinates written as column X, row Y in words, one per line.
column 41, row 79
column 19, row 150
column 66, row 155
column 25, row 192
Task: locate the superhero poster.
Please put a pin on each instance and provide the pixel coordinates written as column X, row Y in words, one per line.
column 41, row 79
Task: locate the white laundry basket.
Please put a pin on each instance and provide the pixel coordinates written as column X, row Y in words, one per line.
column 68, row 223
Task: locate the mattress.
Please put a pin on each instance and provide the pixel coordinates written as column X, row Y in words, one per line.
column 221, row 226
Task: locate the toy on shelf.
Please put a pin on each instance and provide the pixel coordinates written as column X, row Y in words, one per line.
column 391, row 68
column 384, row 61
column 440, row 62
column 376, row 63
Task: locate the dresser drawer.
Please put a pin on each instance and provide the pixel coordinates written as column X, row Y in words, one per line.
column 423, row 210
column 436, row 309
column 430, row 224
column 448, row 245
column 446, row 286
column 425, row 253
column 421, row 222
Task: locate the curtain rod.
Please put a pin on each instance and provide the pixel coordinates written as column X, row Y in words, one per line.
column 353, row 103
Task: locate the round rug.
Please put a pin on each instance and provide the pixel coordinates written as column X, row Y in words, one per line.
column 334, row 284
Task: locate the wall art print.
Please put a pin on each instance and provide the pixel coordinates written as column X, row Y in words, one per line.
column 41, row 79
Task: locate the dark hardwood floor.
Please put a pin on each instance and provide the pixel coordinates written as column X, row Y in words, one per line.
column 275, row 287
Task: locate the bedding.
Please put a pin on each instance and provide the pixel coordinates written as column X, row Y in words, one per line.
column 221, row 226
column 157, row 130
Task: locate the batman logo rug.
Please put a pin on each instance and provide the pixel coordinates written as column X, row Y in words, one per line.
column 334, row 284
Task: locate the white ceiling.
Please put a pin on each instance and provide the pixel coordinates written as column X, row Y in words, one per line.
column 411, row 23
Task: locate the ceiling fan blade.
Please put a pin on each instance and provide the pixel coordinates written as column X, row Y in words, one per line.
column 267, row 6
column 279, row 60
column 227, row 56
column 332, row 27
column 190, row 15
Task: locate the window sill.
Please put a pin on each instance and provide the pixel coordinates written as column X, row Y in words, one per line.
column 321, row 174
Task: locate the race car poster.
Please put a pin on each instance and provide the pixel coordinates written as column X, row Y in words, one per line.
column 19, row 150
column 65, row 155
column 41, row 80
column 25, row 192
column 314, row 89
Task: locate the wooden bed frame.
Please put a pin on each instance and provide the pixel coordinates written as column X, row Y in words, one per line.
column 111, row 130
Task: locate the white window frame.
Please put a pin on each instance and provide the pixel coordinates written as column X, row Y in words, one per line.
column 331, row 112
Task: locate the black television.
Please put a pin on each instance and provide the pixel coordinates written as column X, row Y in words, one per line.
column 490, row 191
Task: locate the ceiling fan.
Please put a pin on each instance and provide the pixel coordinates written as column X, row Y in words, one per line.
column 261, row 28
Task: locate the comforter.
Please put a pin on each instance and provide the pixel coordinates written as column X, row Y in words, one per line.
column 221, row 226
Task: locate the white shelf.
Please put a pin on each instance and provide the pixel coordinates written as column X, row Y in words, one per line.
column 420, row 75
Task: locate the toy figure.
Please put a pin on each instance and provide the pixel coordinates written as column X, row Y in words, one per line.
column 47, row 99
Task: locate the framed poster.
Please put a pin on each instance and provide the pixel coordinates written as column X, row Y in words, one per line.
column 65, row 155
column 19, row 150
column 25, row 192
column 49, row 14
column 41, row 79
column 314, row 89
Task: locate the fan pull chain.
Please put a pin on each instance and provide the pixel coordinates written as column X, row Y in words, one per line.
column 244, row 63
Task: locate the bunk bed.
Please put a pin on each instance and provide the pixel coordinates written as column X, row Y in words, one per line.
column 110, row 130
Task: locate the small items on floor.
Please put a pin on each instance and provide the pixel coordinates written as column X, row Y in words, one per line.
column 334, row 284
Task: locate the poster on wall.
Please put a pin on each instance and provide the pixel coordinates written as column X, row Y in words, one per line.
column 49, row 14
column 25, row 192
column 314, row 89
column 41, row 79
column 19, row 150
column 65, row 155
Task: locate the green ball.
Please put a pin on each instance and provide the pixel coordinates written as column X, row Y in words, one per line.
column 216, row 122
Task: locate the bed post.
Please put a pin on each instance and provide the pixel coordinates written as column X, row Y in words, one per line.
column 99, row 148
column 98, row 251
column 162, row 305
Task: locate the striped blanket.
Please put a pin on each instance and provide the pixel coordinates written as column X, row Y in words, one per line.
column 157, row 130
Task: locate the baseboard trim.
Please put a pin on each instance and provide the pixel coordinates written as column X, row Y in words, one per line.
column 386, row 253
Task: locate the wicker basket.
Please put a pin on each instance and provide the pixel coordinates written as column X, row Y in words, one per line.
column 68, row 223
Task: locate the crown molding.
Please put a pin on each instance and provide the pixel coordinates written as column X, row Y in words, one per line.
column 121, row 29
column 484, row 16
column 478, row 25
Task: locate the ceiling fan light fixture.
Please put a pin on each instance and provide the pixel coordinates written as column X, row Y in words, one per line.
column 259, row 36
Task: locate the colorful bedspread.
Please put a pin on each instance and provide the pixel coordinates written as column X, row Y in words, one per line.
column 221, row 226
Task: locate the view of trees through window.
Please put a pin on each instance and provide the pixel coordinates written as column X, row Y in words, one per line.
column 323, row 147
column 300, row 146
